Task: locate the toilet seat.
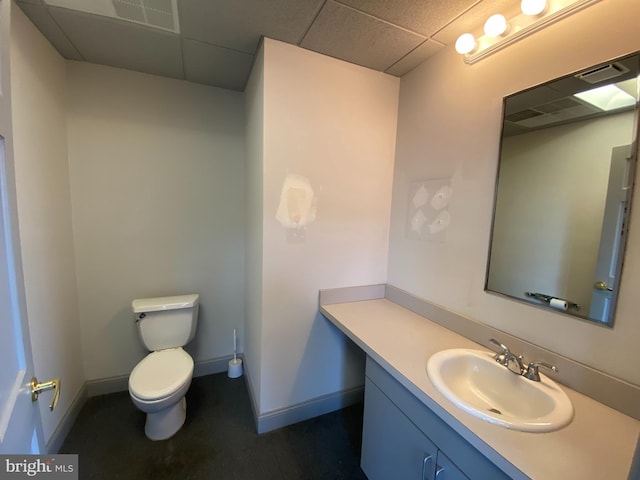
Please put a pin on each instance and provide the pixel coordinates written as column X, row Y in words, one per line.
column 160, row 374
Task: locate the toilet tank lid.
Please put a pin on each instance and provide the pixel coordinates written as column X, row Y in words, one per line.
column 156, row 304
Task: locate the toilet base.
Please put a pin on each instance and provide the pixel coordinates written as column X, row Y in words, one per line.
column 166, row 423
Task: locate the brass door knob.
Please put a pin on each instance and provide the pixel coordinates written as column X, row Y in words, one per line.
column 602, row 286
column 37, row 388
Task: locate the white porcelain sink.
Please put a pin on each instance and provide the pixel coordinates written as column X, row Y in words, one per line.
column 477, row 384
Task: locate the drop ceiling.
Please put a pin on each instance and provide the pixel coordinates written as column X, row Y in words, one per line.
column 213, row 42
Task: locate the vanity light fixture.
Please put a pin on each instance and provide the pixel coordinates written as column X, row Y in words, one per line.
column 500, row 32
column 495, row 25
column 466, row 43
column 533, row 7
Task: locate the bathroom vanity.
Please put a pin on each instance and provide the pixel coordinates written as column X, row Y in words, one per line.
column 412, row 431
column 403, row 439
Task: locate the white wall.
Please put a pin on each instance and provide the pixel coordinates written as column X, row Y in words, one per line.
column 44, row 213
column 334, row 124
column 549, row 214
column 449, row 126
column 254, row 107
column 157, row 184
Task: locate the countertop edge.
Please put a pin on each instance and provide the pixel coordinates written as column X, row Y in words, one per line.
column 464, row 431
column 401, row 340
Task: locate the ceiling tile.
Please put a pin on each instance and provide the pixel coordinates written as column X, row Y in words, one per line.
column 217, row 66
column 40, row 17
column 345, row 33
column 239, row 25
column 122, row 44
column 218, row 38
column 473, row 20
column 425, row 17
column 414, row 58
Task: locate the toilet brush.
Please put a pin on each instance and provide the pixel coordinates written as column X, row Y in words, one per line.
column 235, row 365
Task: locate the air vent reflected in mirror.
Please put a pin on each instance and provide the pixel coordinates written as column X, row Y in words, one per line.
column 560, row 110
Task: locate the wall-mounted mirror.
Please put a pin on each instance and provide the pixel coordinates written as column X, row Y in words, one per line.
column 567, row 161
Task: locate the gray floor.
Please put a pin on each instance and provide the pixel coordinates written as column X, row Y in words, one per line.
column 218, row 440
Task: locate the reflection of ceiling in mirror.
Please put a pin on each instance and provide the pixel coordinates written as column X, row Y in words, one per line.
column 552, row 113
column 596, row 101
column 562, row 201
column 607, row 88
column 609, row 97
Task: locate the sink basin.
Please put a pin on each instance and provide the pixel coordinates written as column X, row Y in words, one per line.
column 477, row 384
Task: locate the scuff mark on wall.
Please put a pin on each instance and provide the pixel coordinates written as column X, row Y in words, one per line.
column 297, row 207
column 428, row 216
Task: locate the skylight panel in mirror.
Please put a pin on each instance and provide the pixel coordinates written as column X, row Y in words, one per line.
column 607, row 97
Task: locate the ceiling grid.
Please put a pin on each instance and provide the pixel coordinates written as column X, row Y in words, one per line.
column 213, row 42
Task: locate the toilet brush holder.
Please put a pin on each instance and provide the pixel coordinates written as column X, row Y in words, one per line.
column 235, row 368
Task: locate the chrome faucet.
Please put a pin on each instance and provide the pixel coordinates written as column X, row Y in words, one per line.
column 531, row 372
column 506, row 358
column 515, row 363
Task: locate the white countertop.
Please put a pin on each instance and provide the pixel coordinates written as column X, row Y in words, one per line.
column 598, row 444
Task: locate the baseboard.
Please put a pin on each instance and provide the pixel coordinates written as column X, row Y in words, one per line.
column 302, row 411
column 104, row 386
column 64, row 427
column 252, row 395
column 310, row 409
column 120, row 383
column 210, row 367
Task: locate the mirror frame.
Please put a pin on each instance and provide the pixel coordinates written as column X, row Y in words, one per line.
column 635, row 135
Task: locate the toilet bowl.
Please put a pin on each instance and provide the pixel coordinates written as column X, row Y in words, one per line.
column 159, row 382
column 157, row 386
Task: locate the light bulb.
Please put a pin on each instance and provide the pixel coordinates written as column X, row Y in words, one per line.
column 495, row 25
column 533, row 7
column 465, row 43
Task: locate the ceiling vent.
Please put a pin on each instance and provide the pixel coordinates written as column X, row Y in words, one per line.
column 602, row 73
column 154, row 13
column 162, row 14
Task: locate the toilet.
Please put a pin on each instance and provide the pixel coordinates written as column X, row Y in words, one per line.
column 158, row 384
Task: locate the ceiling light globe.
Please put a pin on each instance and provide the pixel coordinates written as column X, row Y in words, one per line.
column 465, row 43
column 495, row 25
column 533, row 7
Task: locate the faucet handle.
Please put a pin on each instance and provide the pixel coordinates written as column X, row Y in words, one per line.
column 501, row 346
column 506, row 358
column 501, row 356
column 532, row 372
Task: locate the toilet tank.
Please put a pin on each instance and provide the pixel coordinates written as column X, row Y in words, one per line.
column 166, row 322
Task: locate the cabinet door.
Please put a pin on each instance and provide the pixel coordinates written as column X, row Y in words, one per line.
column 392, row 446
column 466, row 457
column 446, row 469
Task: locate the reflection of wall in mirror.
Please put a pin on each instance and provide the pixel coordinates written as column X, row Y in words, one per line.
column 552, row 189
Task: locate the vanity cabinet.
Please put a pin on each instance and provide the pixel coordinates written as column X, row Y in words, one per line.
column 393, row 447
column 403, row 439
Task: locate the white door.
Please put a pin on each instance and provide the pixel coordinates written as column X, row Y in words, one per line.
column 20, row 426
column 20, row 423
column 606, row 283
